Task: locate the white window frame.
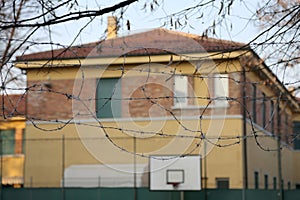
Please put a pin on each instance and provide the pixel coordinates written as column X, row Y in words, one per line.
column 180, row 91
column 221, row 90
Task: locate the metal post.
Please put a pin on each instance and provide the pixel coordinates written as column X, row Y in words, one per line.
column 99, row 187
column 63, row 160
column 205, row 170
column 244, row 155
column 134, row 168
column 1, row 166
column 31, row 182
column 63, row 166
column 181, row 195
column 280, row 192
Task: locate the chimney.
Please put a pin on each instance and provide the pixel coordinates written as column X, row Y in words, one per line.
column 291, row 90
column 112, row 27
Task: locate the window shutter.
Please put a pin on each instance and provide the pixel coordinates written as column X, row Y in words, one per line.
column 8, row 142
column 108, row 98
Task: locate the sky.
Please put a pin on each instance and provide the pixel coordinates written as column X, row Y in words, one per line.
column 243, row 30
column 86, row 30
column 238, row 26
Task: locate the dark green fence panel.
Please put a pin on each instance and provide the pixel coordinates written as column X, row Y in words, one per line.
column 291, row 194
column 225, row 194
column 262, row 194
column 146, row 194
column 45, row 194
column 142, row 194
column 196, row 195
column 81, row 193
column 14, row 194
column 116, row 194
column 32, row 194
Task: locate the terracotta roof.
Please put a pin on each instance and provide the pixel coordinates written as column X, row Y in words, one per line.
column 153, row 42
column 12, row 105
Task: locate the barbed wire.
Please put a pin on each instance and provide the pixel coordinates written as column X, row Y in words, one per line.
column 153, row 101
column 199, row 135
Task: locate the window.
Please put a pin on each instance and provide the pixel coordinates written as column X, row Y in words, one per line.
column 297, row 186
column 266, row 182
column 278, row 119
column 263, row 111
column 12, row 141
column 289, row 185
column 254, row 103
column 296, row 132
column 220, row 89
column 222, row 183
column 286, row 123
column 256, row 180
column 286, row 126
column 217, row 90
column 8, row 141
column 274, row 183
column 272, row 117
column 180, row 91
column 108, row 98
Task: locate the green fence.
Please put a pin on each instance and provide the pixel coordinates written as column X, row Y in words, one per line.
column 140, row 194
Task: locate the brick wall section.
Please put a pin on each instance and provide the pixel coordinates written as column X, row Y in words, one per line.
column 235, row 91
column 12, row 105
column 44, row 104
column 84, row 106
column 51, row 100
column 144, row 87
column 191, row 92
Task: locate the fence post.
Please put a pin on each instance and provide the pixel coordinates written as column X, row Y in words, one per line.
column 1, row 166
column 63, row 166
column 99, row 187
column 279, row 163
column 31, row 180
column 134, row 168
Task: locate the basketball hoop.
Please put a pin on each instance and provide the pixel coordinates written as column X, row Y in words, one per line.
column 174, row 184
column 175, row 177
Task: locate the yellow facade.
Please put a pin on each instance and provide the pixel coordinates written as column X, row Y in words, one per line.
column 263, row 158
column 12, row 166
column 51, row 147
column 76, row 145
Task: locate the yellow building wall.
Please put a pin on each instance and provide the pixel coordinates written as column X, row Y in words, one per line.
column 12, row 166
column 296, row 159
column 86, row 143
column 12, row 123
column 263, row 158
column 12, row 171
column 46, row 148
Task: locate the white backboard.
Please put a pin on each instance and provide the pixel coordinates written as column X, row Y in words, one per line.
column 175, row 172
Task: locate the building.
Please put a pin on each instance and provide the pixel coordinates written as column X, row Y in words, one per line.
column 159, row 92
column 12, row 126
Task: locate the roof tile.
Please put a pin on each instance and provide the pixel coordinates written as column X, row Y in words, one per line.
column 153, row 42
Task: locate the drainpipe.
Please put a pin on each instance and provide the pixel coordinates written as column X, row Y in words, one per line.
column 244, row 154
column 280, row 192
column 134, row 169
column 1, row 166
